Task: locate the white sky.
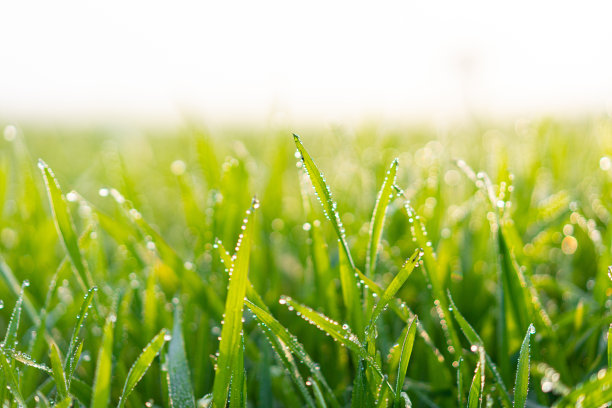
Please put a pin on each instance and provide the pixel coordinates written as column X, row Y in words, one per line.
column 67, row 59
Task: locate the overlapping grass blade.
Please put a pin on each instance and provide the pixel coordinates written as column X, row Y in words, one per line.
column 232, row 327
column 179, row 380
column 142, row 364
column 12, row 382
column 58, row 371
column 409, row 335
column 71, row 355
column 102, row 382
column 65, row 226
column 521, row 385
column 362, row 397
column 378, row 218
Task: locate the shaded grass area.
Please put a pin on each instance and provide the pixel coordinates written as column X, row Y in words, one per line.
column 473, row 270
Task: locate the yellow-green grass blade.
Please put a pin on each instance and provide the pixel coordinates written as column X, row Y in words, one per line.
column 232, row 326
column 407, row 344
column 179, row 380
column 10, row 338
column 350, row 293
column 238, row 385
column 13, row 284
column 12, row 382
column 595, row 392
column 65, row 225
column 398, row 281
column 65, row 403
column 521, row 385
column 477, row 387
column 270, row 325
column 610, row 347
column 378, row 218
column 102, row 381
column 142, row 364
column 58, row 371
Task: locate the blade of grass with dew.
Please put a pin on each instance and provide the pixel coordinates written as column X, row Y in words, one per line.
column 231, row 331
column 341, row 333
column 11, row 381
column 378, row 218
column 475, row 395
column 179, row 380
column 521, row 385
column 13, row 284
column 10, row 339
column 269, row 324
column 58, row 371
column 460, row 382
column 74, row 340
column 142, row 364
column 407, row 344
column 102, row 381
column 476, row 341
column 65, row 225
column 361, row 398
column 595, row 392
column 398, row 281
column 350, row 293
column 238, row 385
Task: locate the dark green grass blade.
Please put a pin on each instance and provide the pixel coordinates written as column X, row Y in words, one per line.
column 142, row 364
column 362, row 397
column 269, row 324
column 102, row 381
column 65, row 225
column 521, row 385
column 232, row 327
column 395, row 286
column 378, row 218
column 58, row 371
column 407, row 344
column 71, row 361
column 476, row 341
column 179, row 380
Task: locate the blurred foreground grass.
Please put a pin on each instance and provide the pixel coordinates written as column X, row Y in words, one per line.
column 521, row 239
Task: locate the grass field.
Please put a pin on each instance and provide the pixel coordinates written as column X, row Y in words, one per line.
column 195, row 268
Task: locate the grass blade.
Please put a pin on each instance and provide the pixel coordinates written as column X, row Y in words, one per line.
column 350, row 293
column 65, row 225
column 596, row 392
column 74, row 340
column 361, row 398
column 378, row 218
column 610, row 347
column 10, row 339
column 179, row 380
column 102, row 381
column 477, row 387
column 232, row 327
column 407, row 343
column 238, row 385
column 521, row 385
column 395, row 285
column 58, row 371
column 11, row 381
column 141, row 365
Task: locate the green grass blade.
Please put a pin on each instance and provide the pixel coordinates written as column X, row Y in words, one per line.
column 362, row 397
column 395, row 286
column 407, row 344
column 350, row 293
column 58, row 371
column 141, row 365
column 610, row 347
column 324, row 195
column 460, row 382
column 595, row 392
column 65, row 225
column 74, row 340
column 13, row 284
column 102, row 381
column 10, row 339
column 378, row 218
column 179, row 380
column 12, row 382
column 475, row 395
column 238, row 385
column 521, row 385
column 232, row 327
column 65, row 403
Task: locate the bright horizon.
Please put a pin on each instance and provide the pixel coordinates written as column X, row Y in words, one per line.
column 70, row 60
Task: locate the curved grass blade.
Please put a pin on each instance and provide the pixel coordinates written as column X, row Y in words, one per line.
column 58, row 371
column 476, row 341
column 407, row 344
column 10, row 339
column 141, row 365
column 71, row 358
column 324, row 195
column 65, row 225
column 596, row 392
column 232, row 327
column 378, row 218
column 341, row 333
column 179, row 380
column 521, row 385
column 102, row 381
column 11, row 381
column 269, row 324
column 395, row 286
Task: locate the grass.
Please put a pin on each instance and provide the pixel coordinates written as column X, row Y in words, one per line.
column 374, row 267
